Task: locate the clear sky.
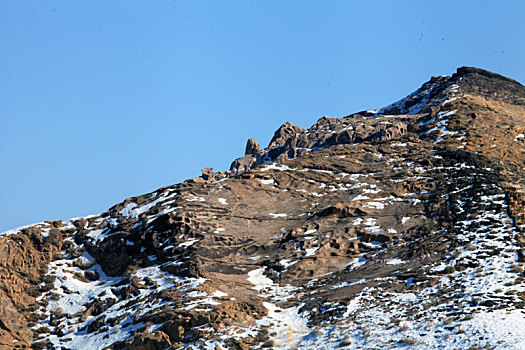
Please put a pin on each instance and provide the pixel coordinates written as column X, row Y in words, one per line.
column 102, row 100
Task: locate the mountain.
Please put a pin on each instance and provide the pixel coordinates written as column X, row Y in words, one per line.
column 390, row 228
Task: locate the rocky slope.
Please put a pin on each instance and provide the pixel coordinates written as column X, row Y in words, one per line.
column 398, row 227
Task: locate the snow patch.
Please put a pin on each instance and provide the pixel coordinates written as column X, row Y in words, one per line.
column 267, row 182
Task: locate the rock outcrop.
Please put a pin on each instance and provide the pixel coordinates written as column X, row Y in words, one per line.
column 252, row 147
column 388, row 228
column 290, row 141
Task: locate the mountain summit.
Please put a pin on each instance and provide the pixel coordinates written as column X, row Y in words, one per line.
column 388, row 228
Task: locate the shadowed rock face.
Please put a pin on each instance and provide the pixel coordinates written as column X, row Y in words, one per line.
column 388, row 228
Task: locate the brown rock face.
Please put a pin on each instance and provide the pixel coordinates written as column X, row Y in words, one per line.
column 151, row 341
column 252, row 147
column 291, row 141
column 208, row 174
column 23, row 262
column 491, row 86
column 381, row 229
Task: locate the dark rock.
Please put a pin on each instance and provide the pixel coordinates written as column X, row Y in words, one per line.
column 252, row 147
column 92, row 275
column 150, row 341
column 96, row 324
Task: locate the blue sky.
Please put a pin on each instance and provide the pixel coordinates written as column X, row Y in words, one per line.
column 102, row 100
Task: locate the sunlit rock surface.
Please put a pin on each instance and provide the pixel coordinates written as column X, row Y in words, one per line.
column 397, row 227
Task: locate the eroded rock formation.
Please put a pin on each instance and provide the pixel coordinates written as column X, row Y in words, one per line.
column 395, row 227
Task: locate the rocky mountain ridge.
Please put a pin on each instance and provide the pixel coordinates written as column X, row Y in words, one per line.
column 398, row 227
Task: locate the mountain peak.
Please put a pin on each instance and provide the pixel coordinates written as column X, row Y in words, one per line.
column 465, row 71
column 489, row 85
column 441, row 110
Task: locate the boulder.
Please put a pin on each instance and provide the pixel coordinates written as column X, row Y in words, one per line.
column 252, row 147
column 208, row 174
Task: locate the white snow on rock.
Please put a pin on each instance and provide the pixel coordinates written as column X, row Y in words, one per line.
column 375, row 205
column 98, row 235
column 360, row 197
column 311, row 251
column 275, row 166
column 258, row 279
column 127, row 210
column 289, row 325
column 72, row 294
column 194, row 198
column 188, row 243
column 267, row 182
column 219, row 294
column 134, row 211
column 397, row 261
column 43, row 226
column 385, row 319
